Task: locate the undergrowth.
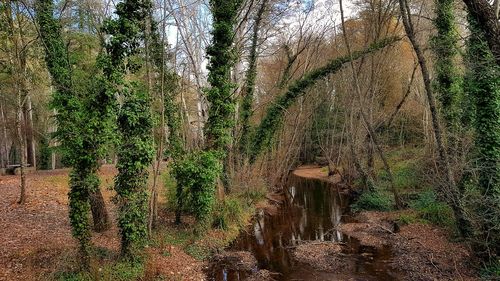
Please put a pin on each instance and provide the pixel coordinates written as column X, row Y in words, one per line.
column 119, row 271
column 373, row 201
column 491, row 271
column 430, row 209
column 407, row 166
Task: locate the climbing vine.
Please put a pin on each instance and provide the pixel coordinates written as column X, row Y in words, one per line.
column 482, row 87
column 198, row 172
column 275, row 113
column 249, row 89
column 84, row 125
column 135, row 154
column 135, row 150
column 221, row 59
column 447, row 83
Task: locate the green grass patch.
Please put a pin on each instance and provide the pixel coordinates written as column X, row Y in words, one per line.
column 406, row 167
column 199, row 252
column 432, row 210
column 411, row 218
column 373, row 201
column 228, row 212
column 491, row 271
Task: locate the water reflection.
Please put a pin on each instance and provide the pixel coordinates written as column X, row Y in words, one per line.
column 312, row 211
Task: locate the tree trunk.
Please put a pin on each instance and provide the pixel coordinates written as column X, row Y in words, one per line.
column 249, row 89
column 485, row 15
column 30, row 136
column 5, row 151
column 452, row 195
column 53, row 160
column 99, row 212
column 370, row 160
column 20, row 135
column 369, row 127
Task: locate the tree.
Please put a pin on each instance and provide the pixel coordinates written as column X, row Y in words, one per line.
column 199, row 171
column 274, row 114
column 483, row 89
column 447, row 82
column 18, row 47
column 83, row 129
column 249, row 89
column 135, row 151
column 487, row 20
column 449, row 190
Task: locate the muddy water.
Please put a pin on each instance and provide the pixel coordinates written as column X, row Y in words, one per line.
column 312, row 210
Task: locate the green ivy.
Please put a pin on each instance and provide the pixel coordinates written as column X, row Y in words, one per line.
column 447, row 83
column 221, row 60
column 135, row 154
column 275, row 113
column 483, row 89
column 198, row 173
column 135, row 123
column 84, row 123
column 249, row 89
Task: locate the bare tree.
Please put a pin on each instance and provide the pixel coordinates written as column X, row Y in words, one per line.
column 365, row 119
column 449, row 190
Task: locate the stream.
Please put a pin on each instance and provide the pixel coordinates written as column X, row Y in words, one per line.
column 312, row 210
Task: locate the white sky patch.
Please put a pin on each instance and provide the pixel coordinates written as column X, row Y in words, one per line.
column 308, row 15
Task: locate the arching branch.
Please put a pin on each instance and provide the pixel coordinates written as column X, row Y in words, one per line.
column 274, row 116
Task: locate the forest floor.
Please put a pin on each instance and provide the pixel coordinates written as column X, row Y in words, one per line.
column 36, row 241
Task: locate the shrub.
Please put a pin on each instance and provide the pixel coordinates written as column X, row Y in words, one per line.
column 405, row 219
column 406, row 175
column 430, row 209
column 373, row 200
column 171, row 190
column 197, row 174
column 44, row 154
column 227, row 212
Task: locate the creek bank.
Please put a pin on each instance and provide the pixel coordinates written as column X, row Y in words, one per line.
column 312, row 236
column 324, row 256
column 317, row 172
column 420, row 251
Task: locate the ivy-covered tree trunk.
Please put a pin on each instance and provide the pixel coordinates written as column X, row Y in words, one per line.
column 447, row 80
column 221, row 60
column 67, row 105
column 136, row 149
column 135, row 154
column 199, row 171
column 483, row 87
column 484, row 14
column 249, row 89
column 274, row 115
column 451, row 190
column 82, row 129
